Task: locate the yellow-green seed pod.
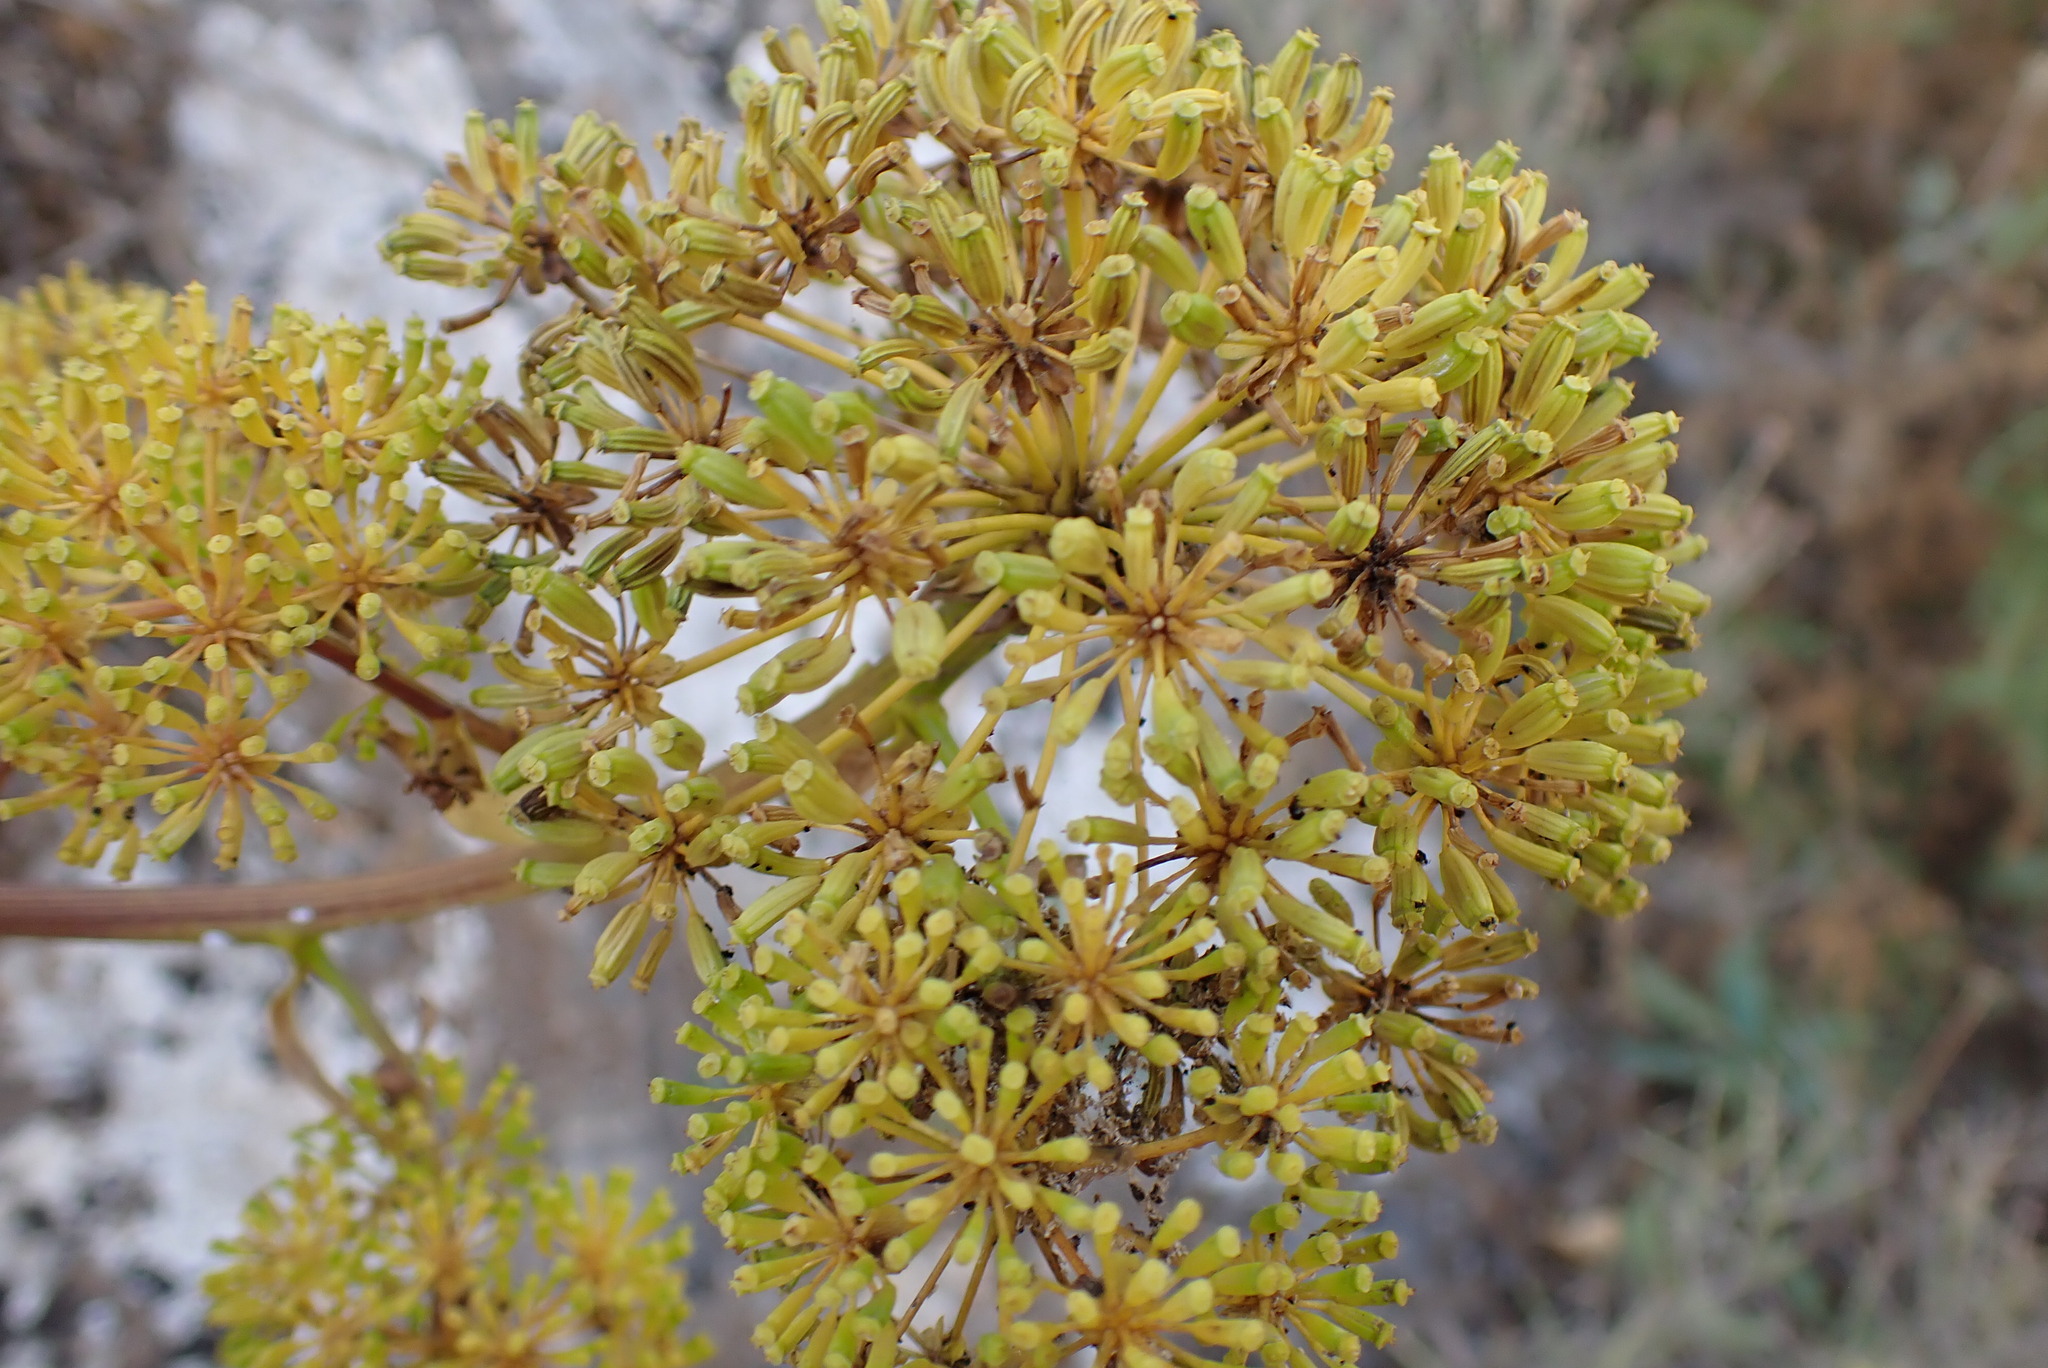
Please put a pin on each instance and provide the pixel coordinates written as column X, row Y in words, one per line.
column 1296, row 591
column 904, row 456
column 1542, row 366
column 1078, row 547
column 1074, row 712
column 1417, row 249
column 918, row 640
column 1361, row 274
column 1181, row 142
column 1466, row 890
column 1540, row 713
column 1590, row 761
column 725, row 475
column 1446, row 786
column 1112, row 289
column 1558, row 411
column 1160, row 252
column 1443, row 181
column 958, row 416
column 620, row 771
column 1625, row 288
column 1336, row 98
column 1402, row 394
column 1620, row 571
column 1015, row 571
column 601, row 876
column 1200, row 475
column 620, row 938
column 571, row 604
column 1196, row 320
column 676, row 743
column 1436, row 319
column 1555, row 617
column 1352, row 528
column 1277, row 130
column 976, row 254
column 1304, row 200
column 1105, row 351
column 1589, row 506
column 1347, row 343
column 1214, row 226
column 1461, row 250
column 1124, row 70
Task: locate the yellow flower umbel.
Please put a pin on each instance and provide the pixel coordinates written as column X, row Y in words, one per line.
column 1090, row 360
column 192, row 512
column 421, row 1229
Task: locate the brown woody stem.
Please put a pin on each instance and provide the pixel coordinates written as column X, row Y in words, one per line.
column 419, row 698
column 258, row 911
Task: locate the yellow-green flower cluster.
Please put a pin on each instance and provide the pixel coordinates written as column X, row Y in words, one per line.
column 1319, row 506
column 421, row 1229
column 1109, row 373
column 191, row 512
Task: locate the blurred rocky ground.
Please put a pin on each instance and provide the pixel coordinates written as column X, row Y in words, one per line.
column 1790, row 1116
